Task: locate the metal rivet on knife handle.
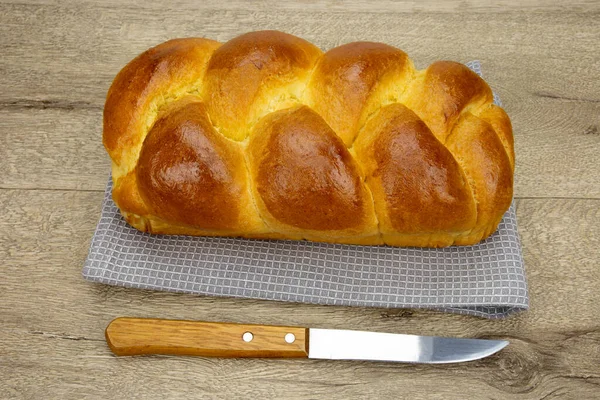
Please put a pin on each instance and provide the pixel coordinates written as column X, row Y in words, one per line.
column 290, row 338
column 247, row 336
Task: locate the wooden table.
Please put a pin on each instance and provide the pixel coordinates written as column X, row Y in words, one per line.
column 57, row 62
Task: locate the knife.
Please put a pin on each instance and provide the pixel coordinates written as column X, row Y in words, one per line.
column 136, row 336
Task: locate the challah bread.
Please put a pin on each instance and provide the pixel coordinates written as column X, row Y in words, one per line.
column 266, row 136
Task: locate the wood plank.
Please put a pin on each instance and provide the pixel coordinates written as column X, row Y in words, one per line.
column 548, row 81
column 72, row 52
column 53, row 321
column 376, row 6
column 73, row 369
column 53, row 149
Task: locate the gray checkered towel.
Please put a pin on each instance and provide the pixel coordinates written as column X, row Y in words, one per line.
column 487, row 279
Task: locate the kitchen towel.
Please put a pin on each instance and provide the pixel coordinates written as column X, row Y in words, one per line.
column 487, row 279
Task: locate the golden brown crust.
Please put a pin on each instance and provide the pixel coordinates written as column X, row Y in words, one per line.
column 482, row 157
column 443, row 92
column 350, row 146
column 352, row 80
column 417, row 184
column 498, row 119
column 305, row 176
column 162, row 70
column 127, row 195
column 188, row 174
column 248, row 72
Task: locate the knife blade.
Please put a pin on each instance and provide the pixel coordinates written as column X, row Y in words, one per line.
column 137, row 336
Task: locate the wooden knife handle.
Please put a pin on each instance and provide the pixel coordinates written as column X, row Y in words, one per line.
column 135, row 336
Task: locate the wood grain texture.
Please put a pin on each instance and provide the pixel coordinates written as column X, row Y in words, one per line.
column 58, row 60
column 379, row 6
column 128, row 336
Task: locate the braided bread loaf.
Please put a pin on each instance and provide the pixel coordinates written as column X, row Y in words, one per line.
column 266, row 136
